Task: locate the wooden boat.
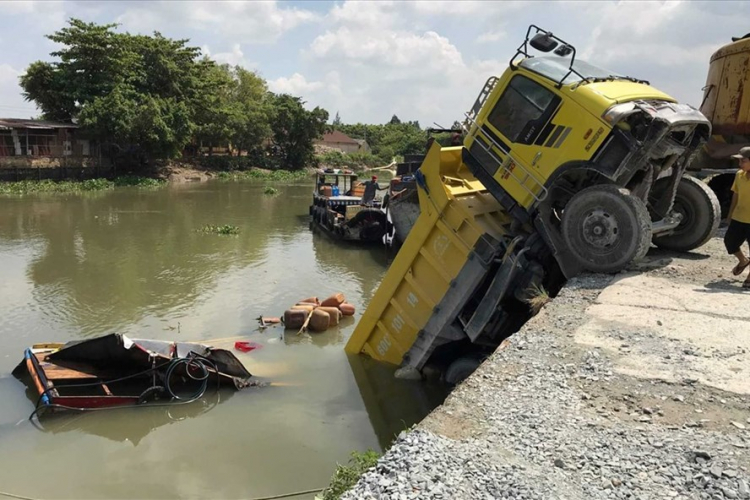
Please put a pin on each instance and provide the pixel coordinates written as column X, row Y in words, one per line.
column 114, row 370
column 337, row 209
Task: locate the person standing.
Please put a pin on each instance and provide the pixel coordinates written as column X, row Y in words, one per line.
column 371, row 187
column 738, row 217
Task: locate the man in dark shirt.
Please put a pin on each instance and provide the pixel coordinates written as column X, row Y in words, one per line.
column 371, row 187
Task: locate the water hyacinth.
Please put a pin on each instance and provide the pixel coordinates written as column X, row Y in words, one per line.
column 50, row 186
column 225, row 229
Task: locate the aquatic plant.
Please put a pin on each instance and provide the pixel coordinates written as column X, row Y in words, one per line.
column 346, row 476
column 225, row 229
column 264, row 175
column 50, row 186
column 270, row 191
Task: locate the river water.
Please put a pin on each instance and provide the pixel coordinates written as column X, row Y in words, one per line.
column 133, row 261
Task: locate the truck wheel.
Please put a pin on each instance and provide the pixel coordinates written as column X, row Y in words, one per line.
column 461, row 368
column 700, row 216
column 605, row 228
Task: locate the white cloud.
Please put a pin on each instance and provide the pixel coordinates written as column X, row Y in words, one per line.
column 491, row 37
column 248, row 22
column 235, row 57
column 295, row 85
column 12, row 103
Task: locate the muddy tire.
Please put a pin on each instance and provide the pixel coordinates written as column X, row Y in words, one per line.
column 701, row 215
column 461, row 368
column 605, row 228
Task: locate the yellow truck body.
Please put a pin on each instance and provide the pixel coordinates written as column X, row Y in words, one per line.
column 456, row 213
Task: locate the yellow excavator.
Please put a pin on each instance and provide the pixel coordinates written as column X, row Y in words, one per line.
column 565, row 167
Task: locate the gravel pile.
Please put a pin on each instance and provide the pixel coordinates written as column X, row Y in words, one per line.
column 549, row 418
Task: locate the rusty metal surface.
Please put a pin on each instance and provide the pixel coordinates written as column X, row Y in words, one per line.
column 726, row 100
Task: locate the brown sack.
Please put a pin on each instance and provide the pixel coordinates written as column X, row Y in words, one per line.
column 346, row 309
column 334, row 300
column 311, row 304
column 319, row 321
column 311, row 300
column 334, row 313
column 294, row 319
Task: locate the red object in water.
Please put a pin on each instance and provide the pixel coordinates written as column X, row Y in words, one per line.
column 246, row 346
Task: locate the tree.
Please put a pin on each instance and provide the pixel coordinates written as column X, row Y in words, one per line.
column 253, row 104
column 336, row 122
column 138, row 93
column 295, row 129
column 394, row 120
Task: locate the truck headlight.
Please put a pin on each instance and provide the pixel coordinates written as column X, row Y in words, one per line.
column 618, row 112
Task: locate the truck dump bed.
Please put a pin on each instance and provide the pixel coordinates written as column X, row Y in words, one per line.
column 455, row 242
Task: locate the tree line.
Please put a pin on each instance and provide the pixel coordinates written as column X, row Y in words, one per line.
column 150, row 97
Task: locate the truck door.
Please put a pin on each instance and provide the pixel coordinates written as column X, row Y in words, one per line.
column 523, row 137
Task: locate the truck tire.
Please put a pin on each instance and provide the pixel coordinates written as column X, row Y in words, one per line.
column 461, row 368
column 605, row 228
column 700, row 217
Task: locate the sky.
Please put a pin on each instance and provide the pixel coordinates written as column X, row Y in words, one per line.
column 366, row 61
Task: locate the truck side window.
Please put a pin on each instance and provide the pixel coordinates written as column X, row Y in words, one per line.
column 521, row 110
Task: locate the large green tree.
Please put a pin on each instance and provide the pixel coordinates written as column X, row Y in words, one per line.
column 295, row 129
column 135, row 92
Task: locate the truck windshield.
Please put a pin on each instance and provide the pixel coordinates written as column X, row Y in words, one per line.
column 555, row 68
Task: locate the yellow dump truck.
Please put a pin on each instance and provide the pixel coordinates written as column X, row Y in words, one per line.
column 726, row 103
column 565, row 167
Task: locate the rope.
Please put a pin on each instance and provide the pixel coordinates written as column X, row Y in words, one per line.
column 273, row 497
column 11, row 495
column 285, row 495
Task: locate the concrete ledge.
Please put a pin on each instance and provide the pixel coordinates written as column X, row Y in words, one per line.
column 634, row 386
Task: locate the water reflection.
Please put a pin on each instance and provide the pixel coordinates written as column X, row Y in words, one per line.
column 129, row 424
column 393, row 405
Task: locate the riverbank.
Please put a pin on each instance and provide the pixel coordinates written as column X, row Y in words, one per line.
column 632, row 386
column 173, row 173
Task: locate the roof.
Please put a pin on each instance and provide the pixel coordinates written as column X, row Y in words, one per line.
column 38, row 124
column 338, row 137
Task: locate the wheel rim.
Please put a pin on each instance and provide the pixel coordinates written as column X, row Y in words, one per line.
column 600, row 229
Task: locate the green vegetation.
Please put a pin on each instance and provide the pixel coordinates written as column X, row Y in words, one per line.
column 352, row 160
column 263, row 175
column 150, row 97
column 49, row 186
column 225, row 229
column 270, row 191
column 346, row 476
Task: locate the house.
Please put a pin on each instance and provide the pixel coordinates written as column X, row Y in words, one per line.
column 27, row 140
column 342, row 142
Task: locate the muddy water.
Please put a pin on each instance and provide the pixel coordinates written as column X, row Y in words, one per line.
column 131, row 261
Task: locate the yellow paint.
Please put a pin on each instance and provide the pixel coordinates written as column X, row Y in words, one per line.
column 455, row 211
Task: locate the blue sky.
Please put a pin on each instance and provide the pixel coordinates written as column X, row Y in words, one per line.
column 422, row 61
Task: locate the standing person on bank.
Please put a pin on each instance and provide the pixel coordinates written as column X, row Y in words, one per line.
column 738, row 218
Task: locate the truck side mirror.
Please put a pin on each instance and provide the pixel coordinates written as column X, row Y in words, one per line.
column 543, row 42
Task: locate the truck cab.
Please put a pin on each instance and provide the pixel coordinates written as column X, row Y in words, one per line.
column 553, row 126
